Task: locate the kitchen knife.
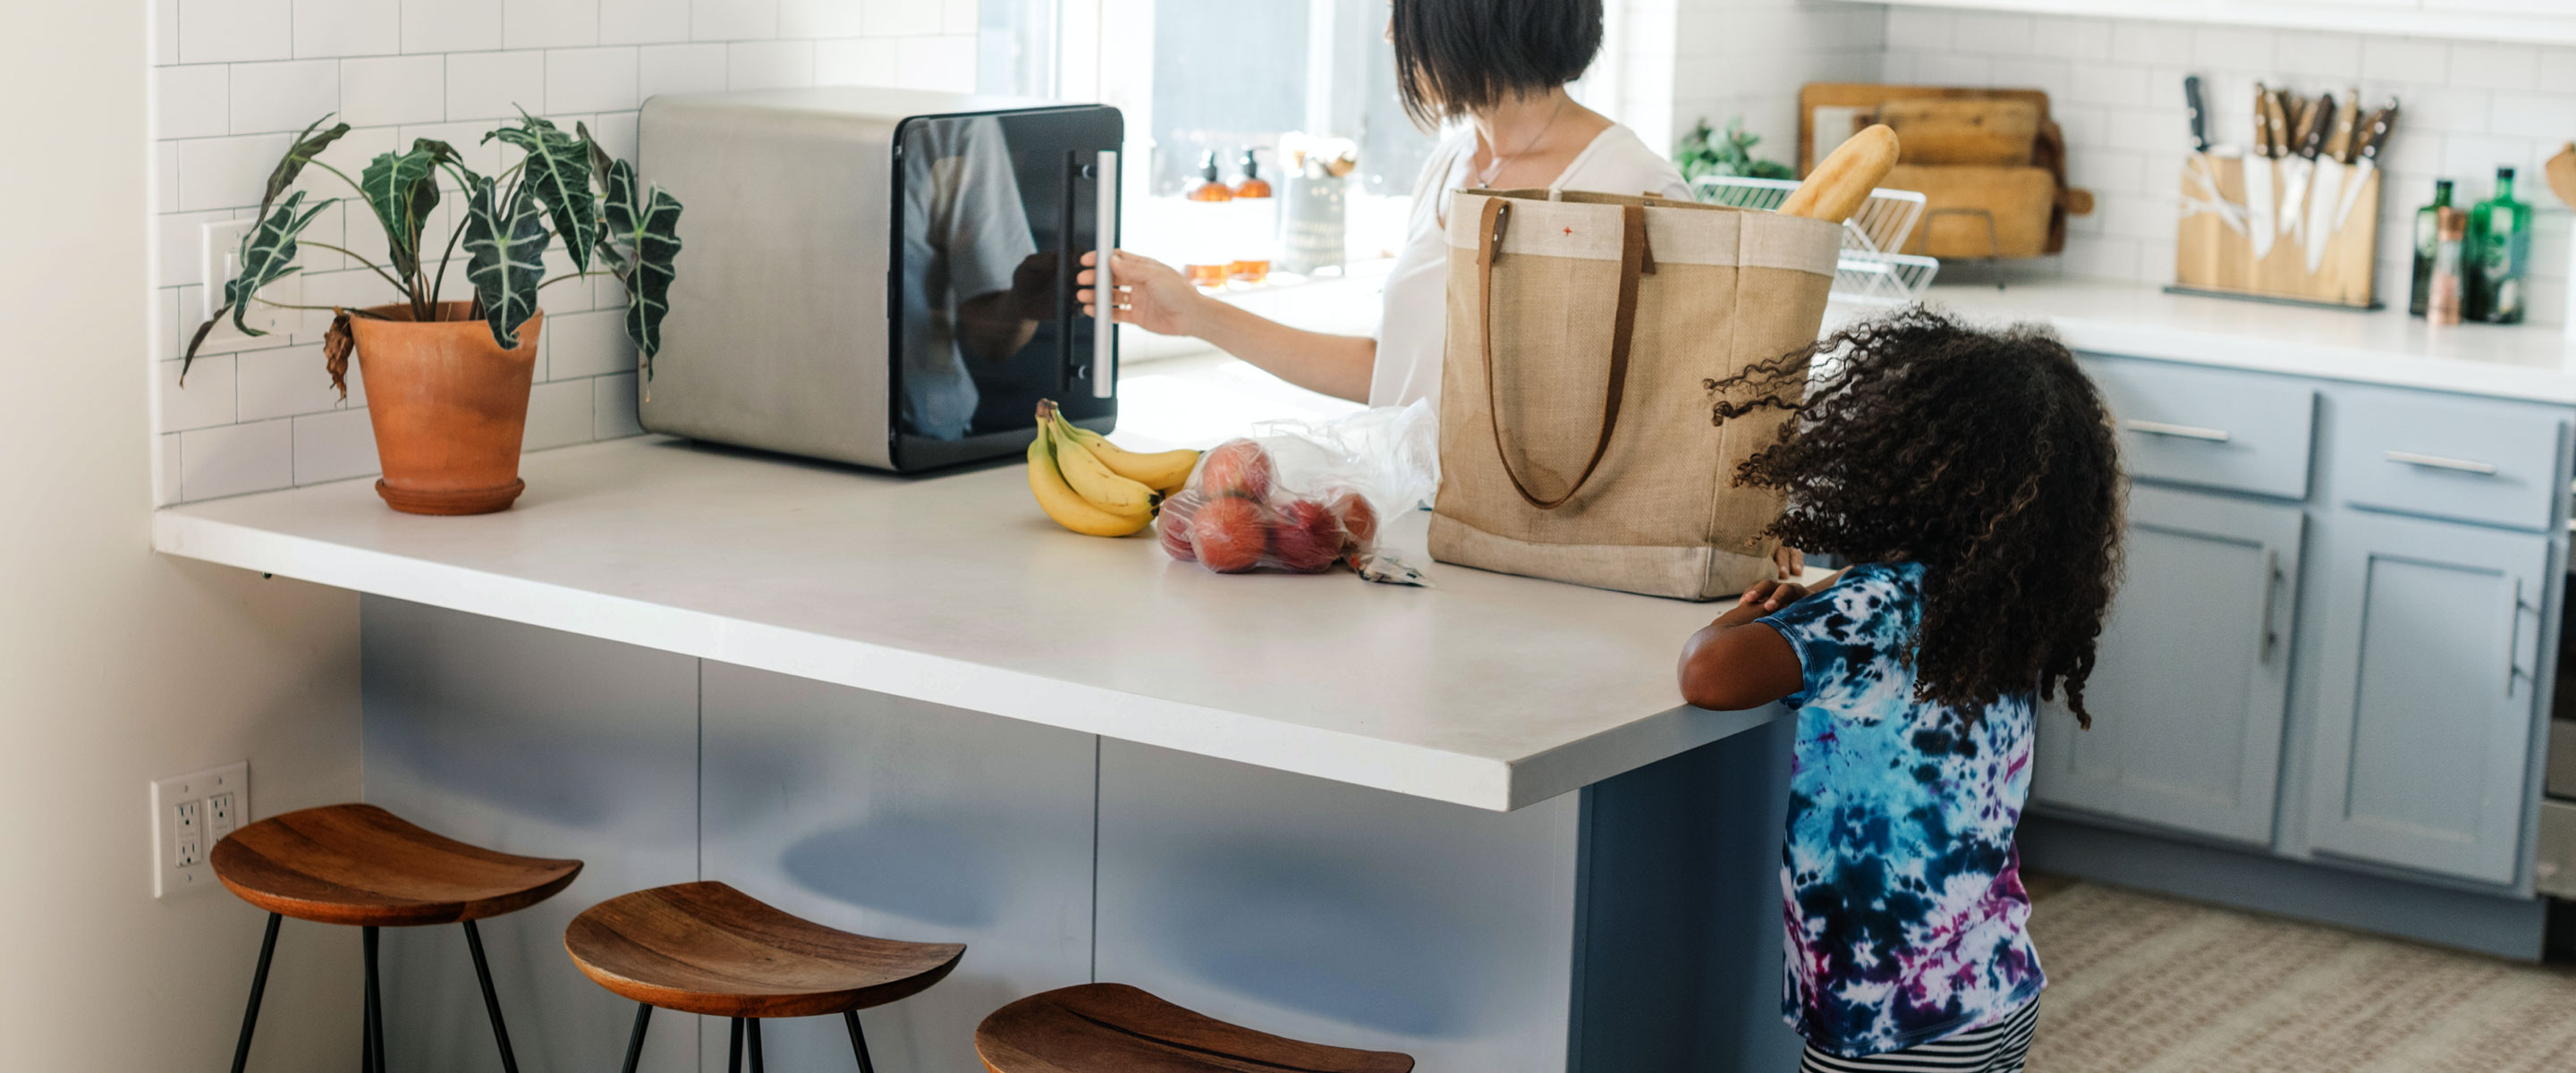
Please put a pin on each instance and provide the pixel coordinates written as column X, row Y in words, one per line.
column 2301, row 167
column 2262, row 127
column 2270, row 131
column 2347, row 120
column 2325, row 193
column 2366, row 158
column 2199, row 113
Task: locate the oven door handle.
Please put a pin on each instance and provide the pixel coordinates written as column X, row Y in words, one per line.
column 1104, row 335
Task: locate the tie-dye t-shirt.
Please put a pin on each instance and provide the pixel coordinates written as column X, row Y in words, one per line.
column 1905, row 911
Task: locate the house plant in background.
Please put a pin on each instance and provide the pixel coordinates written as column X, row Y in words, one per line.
column 1704, row 152
column 448, row 381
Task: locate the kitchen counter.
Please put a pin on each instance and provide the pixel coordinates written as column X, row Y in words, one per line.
column 2531, row 362
column 1488, row 690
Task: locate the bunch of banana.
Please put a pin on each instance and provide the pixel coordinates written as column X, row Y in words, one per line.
column 1092, row 486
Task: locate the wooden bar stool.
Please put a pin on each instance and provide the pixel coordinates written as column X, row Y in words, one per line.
column 1114, row 1028
column 361, row 866
column 708, row 949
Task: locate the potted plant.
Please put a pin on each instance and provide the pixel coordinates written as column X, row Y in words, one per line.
column 448, row 381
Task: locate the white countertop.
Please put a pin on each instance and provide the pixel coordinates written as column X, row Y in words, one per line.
column 1489, row 691
column 2387, row 347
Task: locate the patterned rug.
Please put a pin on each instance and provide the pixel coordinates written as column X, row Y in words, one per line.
column 2142, row 984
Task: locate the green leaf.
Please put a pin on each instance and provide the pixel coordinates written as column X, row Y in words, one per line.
column 644, row 232
column 447, row 156
column 307, row 146
column 557, row 174
column 402, row 189
column 268, row 255
column 506, row 240
column 599, row 160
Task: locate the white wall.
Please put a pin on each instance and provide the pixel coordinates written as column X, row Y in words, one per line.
column 117, row 665
column 1679, row 61
column 234, row 79
column 2116, row 87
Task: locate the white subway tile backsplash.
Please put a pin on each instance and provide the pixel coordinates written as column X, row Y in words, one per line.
column 2049, row 74
column 2490, row 65
column 165, row 177
column 2558, row 69
column 393, row 90
column 204, row 401
column 612, row 407
column 165, row 32
column 910, row 18
column 959, row 17
column 178, row 249
column 334, row 446
column 2319, row 55
column 1921, row 28
column 2109, row 83
column 451, row 25
column 558, row 414
column 233, row 459
column 189, row 102
column 732, row 20
column 286, row 96
column 227, row 172
column 228, row 31
column 165, row 470
column 2535, row 115
column 1989, row 31
column 549, row 23
column 772, row 64
column 615, row 133
column 467, row 136
column 2070, row 37
column 643, row 22
column 588, row 344
column 590, row 80
column 337, row 28
column 820, row 18
column 290, row 381
column 1945, row 68
column 946, row 64
column 2406, row 59
column 679, row 69
column 2232, row 48
column 2151, row 42
column 495, row 85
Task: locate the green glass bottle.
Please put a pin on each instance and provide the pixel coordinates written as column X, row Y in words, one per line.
column 2428, row 238
column 2499, row 255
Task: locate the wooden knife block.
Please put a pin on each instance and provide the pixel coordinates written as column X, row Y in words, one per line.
column 2210, row 256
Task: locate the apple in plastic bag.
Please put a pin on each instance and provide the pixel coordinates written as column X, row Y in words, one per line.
column 1308, row 537
column 1237, row 467
column 1231, row 533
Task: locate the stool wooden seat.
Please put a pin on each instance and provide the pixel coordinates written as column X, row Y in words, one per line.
column 361, row 866
column 708, row 949
column 1114, row 1028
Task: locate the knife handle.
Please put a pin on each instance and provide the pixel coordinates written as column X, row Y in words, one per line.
column 2191, row 101
column 2377, row 137
column 2262, row 120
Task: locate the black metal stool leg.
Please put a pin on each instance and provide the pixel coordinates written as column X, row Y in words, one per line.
column 858, row 1041
column 635, row 1040
column 258, row 985
column 755, row 1044
column 733, row 1049
column 492, row 1003
column 375, row 1006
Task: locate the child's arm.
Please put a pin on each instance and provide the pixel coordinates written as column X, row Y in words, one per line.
column 1735, row 662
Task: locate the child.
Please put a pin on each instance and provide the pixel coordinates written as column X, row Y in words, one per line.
column 1972, row 480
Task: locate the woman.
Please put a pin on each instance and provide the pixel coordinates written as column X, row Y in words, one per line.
column 1502, row 68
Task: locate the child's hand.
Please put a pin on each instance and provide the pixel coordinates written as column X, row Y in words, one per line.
column 1773, row 595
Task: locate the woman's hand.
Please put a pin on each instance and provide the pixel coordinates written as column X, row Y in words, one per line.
column 1792, row 562
column 1150, row 294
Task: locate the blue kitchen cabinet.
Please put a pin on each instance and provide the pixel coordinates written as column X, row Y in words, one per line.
column 2191, row 688
column 2427, row 694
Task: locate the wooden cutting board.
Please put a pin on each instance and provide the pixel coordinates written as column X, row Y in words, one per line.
column 1962, row 197
column 1936, row 130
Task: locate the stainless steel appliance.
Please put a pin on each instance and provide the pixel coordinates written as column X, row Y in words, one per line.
column 880, row 277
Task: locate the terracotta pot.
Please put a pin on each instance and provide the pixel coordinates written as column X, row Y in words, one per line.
column 449, row 408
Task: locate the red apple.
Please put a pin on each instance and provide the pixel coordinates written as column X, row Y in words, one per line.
column 1231, row 534
column 1173, row 525
column 1307, row 538
column 1238, row 467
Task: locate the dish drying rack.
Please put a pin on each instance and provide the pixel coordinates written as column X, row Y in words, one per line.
column 1869, row 270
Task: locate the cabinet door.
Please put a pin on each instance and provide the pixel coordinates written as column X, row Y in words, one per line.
column 2192, row 675
column 2425, row 698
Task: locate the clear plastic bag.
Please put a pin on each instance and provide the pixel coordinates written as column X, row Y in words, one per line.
column 1305, row 497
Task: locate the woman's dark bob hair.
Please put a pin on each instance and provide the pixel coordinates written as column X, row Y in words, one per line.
column 1453, row 57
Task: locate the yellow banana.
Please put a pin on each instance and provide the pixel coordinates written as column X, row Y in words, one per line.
column 1095, row 481
column 1068, row 507
column 1162, row 471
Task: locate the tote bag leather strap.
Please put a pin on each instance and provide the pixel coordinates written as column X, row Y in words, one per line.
column 1634, row 260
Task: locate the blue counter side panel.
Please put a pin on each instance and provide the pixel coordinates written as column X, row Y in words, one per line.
column 907, row 820
column 1679, row 963
column 535, row 742
column 1339, row 914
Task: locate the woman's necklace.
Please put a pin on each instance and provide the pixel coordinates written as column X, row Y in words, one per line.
column 1486, row 178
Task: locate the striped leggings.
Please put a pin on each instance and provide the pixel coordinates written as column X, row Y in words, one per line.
column 1996, row 1048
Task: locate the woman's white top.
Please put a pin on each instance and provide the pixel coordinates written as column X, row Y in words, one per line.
column 1415, row 324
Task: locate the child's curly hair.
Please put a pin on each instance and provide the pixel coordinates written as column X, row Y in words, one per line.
column 1985, row 456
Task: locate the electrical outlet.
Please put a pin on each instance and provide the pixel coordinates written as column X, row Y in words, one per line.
column 220, row 257
column 190, row 813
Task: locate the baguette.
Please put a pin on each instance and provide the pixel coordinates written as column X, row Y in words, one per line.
column 1841, row 181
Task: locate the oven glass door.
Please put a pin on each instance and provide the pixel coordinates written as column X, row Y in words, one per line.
column 992, row 214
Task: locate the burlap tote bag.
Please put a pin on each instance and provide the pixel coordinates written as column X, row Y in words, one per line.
column 1578, row 440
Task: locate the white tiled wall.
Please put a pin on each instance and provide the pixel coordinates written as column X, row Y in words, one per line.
column 2116, row 88
column 234, row 79
column 1686, row 60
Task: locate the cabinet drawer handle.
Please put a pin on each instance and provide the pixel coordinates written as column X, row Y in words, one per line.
column 2271, row 589
column 2182, row 432
column 2462, row 465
